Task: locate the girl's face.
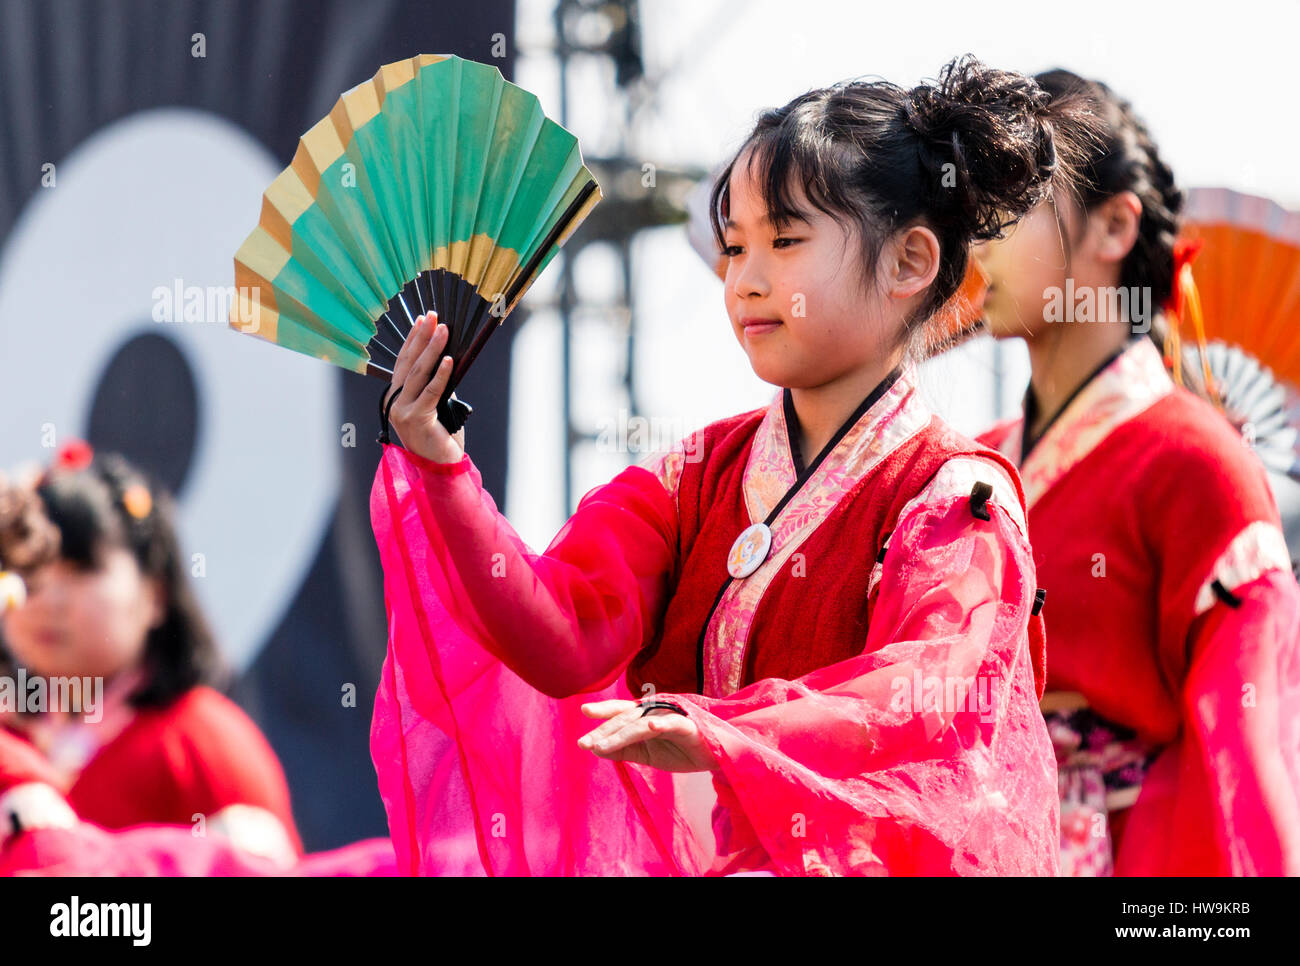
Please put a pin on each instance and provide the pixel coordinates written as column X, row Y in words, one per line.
column 1024, row 267
column 85, row 622
column 795, row 297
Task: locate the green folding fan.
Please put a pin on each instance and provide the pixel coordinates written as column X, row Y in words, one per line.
column 436, row 185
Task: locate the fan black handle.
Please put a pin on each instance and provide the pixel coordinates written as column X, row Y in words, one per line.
column 452, row 412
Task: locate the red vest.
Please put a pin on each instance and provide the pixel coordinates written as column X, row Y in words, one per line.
column 198, row 754
column 808, row 620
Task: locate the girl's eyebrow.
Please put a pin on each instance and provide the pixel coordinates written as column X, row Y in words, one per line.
column 767, row 220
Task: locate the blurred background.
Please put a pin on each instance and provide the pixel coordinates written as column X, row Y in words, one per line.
column 136, row 137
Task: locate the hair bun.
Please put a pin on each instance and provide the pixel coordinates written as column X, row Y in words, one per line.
column 964, row 157
column 989, row 144
column 27, row 538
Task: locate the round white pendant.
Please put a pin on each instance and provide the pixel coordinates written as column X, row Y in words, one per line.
column 749, row 551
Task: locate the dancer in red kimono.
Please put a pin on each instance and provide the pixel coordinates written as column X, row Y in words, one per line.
column 92, row 589
column 1173, row 616
column 40, row 834
column 808, row 628
column 107, row 603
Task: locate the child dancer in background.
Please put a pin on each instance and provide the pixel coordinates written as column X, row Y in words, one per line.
column 40, row 834
column 824, row 605
column 1174, row 687
column 107, row 599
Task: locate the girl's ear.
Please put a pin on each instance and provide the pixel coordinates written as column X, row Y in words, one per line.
column 913, row 262
column 1115, row 223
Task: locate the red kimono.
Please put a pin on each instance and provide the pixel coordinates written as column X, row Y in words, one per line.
column 868, row 687
column 199, row 755
column 1174, row 627
column 41, row 835
column 196, row 756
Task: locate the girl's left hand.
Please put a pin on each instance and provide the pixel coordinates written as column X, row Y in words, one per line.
column 662, row 739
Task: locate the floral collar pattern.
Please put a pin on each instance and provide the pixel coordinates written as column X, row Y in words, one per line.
column 1131, row 384
column 769, row 473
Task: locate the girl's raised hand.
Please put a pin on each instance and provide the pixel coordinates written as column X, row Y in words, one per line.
column 415, row 413
column 662, row 739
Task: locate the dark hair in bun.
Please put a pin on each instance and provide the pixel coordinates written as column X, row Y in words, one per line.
column 967, row 156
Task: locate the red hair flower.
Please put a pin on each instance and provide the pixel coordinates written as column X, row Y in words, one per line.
column 76, row 454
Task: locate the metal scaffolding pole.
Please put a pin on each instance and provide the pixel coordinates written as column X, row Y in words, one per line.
column 609, row 31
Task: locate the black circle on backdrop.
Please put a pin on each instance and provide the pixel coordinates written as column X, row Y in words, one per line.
column 151, row 421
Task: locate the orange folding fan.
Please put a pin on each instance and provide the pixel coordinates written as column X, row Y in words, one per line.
column 1247, row 283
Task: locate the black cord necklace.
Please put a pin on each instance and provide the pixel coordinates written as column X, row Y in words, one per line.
column 1031, row 403
column 754, row 544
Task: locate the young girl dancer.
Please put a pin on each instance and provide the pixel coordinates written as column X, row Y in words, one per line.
column 807, row 628
column 1174, row 688
column 106, row 598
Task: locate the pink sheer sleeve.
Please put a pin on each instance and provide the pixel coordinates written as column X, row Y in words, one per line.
column 567, row 620
column 478, row 763
column 927, row 754
column 1236, row 767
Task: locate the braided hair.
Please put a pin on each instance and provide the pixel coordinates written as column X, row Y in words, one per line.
column 1124, row 157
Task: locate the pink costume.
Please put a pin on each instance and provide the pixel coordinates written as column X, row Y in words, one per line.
column 869, row 691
